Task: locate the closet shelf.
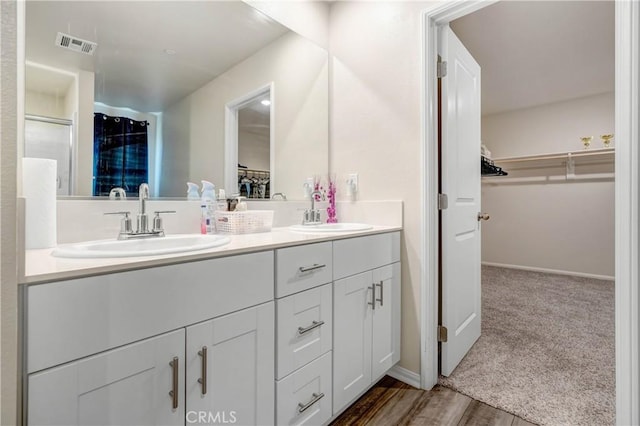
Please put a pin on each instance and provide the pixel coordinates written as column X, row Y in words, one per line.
column 567, row 160
column 559, row 158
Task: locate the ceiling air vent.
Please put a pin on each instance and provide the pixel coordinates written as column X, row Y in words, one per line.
column 76, row 44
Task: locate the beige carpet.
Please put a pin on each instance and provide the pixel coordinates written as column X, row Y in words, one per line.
column 546, row 353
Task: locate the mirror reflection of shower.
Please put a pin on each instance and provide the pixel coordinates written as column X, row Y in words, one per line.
column 254, row 147
column 52, row 138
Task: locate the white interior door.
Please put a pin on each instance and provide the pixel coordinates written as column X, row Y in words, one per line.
column 460, row 175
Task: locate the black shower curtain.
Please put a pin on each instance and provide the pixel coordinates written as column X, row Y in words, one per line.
column 120, row 154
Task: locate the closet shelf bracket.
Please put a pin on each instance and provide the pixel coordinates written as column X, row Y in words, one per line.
column 571, row 167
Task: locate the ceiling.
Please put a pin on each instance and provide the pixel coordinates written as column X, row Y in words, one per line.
column 539, row 52
column 131, row 65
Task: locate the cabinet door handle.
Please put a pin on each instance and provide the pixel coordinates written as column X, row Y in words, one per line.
column 373, row 297
column 203, row 370
column 312, row 267
column 381, row 300
column 315, row 398
column 175, row 368
column 314, row 324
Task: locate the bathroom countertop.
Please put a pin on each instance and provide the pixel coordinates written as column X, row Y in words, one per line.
column 42, row 267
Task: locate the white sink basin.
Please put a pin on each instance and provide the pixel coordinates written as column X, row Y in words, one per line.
column 331, row 227
column 141, row 247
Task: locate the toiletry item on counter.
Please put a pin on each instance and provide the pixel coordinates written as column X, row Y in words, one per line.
column 205, row 220
column 192, row 191
column 242, row 205
column 231, row 204
column 209, row 202
column 39, row 178
column 221, row 205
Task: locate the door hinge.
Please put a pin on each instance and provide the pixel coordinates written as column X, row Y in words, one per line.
column 442, row 334
column 442, row 69
column 443, row 201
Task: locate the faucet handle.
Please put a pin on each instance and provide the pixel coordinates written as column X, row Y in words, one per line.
column 116, row 193
column 125, row 223
column 157, row 220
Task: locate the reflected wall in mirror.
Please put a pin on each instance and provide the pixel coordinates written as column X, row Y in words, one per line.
column 249, row 129
column 177, row 66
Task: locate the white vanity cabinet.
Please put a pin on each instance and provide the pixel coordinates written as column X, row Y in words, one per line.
column 289, row 336
column 230, row 368
column 91, row 359
column 366, row 313
column 138, row 384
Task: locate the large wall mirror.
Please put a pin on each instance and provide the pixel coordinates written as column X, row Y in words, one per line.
column 160, row 92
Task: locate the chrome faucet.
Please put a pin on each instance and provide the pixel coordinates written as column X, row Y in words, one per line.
column 279, row 194
column 142, row 229
column 312, row 215
column 143, row 219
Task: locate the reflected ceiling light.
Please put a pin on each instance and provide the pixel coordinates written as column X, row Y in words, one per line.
column 169, row 51
column 265, row 102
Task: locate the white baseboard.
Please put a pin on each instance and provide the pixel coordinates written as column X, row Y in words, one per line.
column 405, row 376
column 551, row 271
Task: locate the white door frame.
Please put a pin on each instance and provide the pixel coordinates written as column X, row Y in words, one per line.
column 231, row 136
column 627, row 199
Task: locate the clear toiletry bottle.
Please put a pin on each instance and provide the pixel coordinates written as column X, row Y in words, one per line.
column 192, row 191
column 209, row 203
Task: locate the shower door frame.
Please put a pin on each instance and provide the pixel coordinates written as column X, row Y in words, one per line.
column 63, row 122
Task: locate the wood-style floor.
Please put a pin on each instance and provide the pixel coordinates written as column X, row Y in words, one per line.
column 391, row 402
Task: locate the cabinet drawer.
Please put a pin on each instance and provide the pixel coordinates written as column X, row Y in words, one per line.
column 71, row 319
column 354, row 255
column 297, row 392
column 304, row 322
column 303, row 267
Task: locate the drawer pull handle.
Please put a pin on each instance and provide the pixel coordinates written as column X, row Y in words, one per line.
column 203, row 370
column 381, row 300
column 373, row 297
column 312, row 267
column 174, row 388
column 304, row 407
column 314, row 324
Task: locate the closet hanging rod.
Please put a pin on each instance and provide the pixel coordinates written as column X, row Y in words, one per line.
column 253, row 171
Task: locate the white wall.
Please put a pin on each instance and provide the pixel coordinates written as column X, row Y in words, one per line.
column 253, row 149
column 310, row 19
column 83, row 165
column 46, row 105
column 194, row 128
column 8, row 234
column 376, row 126
column 548, row 128
column 563, row 225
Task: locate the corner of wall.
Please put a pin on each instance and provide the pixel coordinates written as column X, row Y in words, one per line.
column 10, row 14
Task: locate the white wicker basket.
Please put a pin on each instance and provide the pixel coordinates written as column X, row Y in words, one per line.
column 246, row 222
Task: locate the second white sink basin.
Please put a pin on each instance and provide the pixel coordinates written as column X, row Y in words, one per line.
column 141, row 247
column 331, row 227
